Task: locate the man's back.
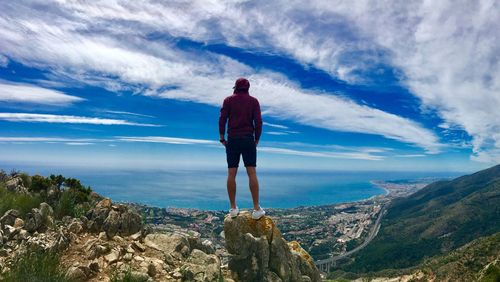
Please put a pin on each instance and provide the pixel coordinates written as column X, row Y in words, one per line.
column 244, row 115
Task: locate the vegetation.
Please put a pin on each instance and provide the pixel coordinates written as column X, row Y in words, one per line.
column 37, row 266
column 22, row 203
column 436, row 220
column 126, row 276
column 71, row 197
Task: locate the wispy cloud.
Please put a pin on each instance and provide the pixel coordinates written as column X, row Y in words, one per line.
column 127, row 113
column 166, row 140
column 25, row 93
column 26, row 117
column 275, row 125
column 58, row 36
column 336, row 155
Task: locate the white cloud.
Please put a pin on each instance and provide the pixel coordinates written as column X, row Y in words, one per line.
column 25, row 93
column 324, row 154
column 26, row 117
column 275, row 125
column 118, row 54
column 128, row 113
column 166, row 140
column 4, row 61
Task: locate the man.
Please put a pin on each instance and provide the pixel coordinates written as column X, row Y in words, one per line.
column 244, row 130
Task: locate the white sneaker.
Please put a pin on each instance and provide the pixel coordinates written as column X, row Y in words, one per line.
column 234, row 212
column 257, row 214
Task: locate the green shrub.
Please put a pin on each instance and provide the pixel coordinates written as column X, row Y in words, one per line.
column 39, row 183
column 36, row 265
column 21, row 202
column 127, row 276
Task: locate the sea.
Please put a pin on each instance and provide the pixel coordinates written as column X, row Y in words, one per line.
column 206, row 189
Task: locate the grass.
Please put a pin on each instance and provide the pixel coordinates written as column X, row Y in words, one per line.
column 22, row 203
column 36, row 266
column 125, row 277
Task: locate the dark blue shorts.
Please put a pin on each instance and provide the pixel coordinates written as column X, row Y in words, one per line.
column 244, row 146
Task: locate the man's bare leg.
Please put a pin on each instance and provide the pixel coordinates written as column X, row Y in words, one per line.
column 231, row 186
column 253, row 182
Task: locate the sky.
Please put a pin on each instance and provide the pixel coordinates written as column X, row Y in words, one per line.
column 343, row 85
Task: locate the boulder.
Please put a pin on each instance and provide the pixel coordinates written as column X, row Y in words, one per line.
column 16, row 185
column 304, row 261
column 9, row 218
column 201, row 267
column 76, row 274
column 168, row 244
column 113, row 219
column 34, row 220
column 258, row 252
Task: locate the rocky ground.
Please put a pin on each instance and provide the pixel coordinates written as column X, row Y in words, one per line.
column 110, row 242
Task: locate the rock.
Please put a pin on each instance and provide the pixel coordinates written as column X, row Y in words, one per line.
column 168, row 244
column 138, row 246
column 128, row 257
column 34, row 221
column 206, row 246
column 76, row 226
column 76, row 274
column 94, row 266
column 304, row 261
column 18, row 223
column 259, row 252
column 152, row 270
column 113, row 219
column 306, row 278
column 16, row 185
column 9, row 218
column 112, row 257
column 136, row 236
column 47, row 213
column 10, row 232
column 201, row 267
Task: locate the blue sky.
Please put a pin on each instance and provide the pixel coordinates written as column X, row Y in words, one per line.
column 371, row 86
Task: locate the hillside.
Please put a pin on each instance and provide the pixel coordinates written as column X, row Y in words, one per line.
column 437, row 219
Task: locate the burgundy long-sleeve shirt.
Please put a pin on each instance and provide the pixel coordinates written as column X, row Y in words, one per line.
column 244, row 116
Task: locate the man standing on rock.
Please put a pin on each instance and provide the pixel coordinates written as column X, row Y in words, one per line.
column 244, row 130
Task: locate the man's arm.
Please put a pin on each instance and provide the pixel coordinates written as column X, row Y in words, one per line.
column 224, row 113
column 257, row 120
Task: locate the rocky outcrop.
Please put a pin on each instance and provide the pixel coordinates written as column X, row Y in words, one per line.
column 113, row 219
column 16, row 185
column 258, row 252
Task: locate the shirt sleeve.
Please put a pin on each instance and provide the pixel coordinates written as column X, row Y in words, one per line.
column 257, row 119
column 224, row 113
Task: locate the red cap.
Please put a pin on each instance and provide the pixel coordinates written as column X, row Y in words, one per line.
column 241, row 84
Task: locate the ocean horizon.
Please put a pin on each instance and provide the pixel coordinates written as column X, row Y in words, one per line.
column 206, row 189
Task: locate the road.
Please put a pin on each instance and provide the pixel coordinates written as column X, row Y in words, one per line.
column 371, row 235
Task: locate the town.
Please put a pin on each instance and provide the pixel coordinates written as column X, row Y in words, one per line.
column 324, row 231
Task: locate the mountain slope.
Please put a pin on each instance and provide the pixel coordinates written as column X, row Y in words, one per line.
column 439, row 218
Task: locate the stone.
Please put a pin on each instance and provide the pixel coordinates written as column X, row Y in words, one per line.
column 258, row 252
column 76, row 274
column 138, row 246
column 18, row 223
column 152, row 270
column 94, row 266
column 201, row 267
column 76, row 226
column 9, row 218
column 46, row 212
column 16, row 185
column 112, row 257
column 128, row 257
column 305, row 262
column 112, row 224
column 129, row 249
column 34, row 220
column 168, row 244
column 135, row 236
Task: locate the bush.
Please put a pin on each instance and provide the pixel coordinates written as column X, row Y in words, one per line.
column 36, row 265
column 21, row 202
column 39, row 183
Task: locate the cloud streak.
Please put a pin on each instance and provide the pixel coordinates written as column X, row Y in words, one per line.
column 25, row 93
column 49, row 118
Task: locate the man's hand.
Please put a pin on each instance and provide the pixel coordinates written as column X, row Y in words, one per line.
column 222, row 140
column 256, row 143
